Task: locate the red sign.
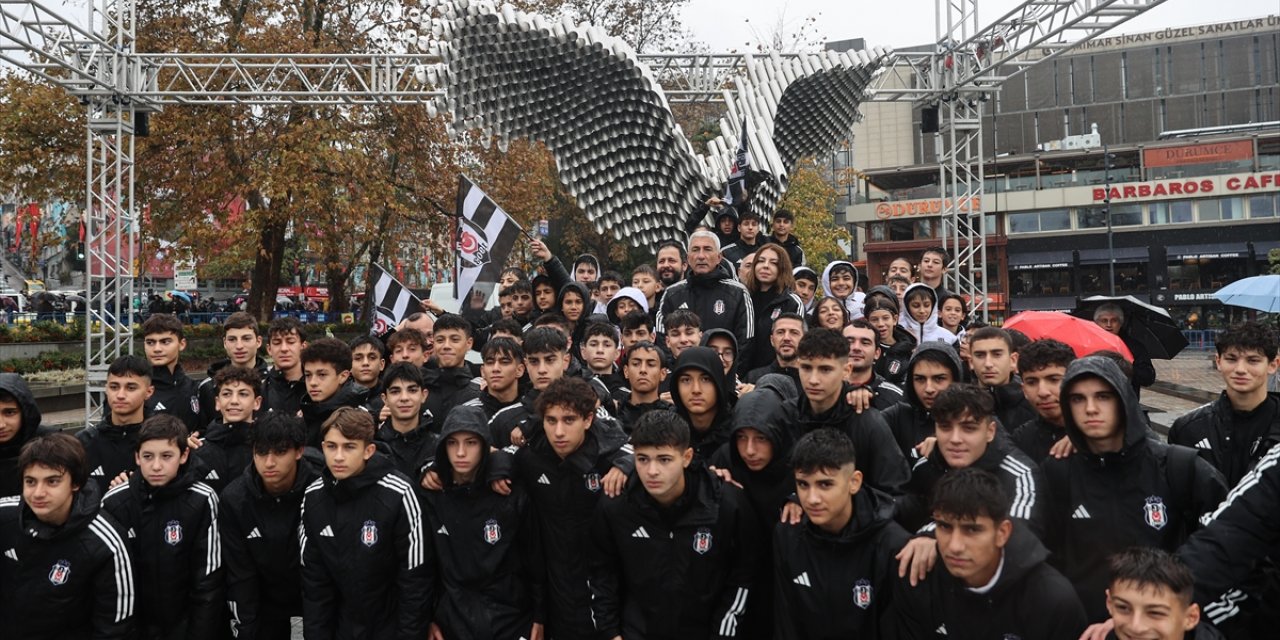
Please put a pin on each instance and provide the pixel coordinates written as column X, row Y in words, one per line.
column 922, row 208
column 1198, row 154
column 1192, row 187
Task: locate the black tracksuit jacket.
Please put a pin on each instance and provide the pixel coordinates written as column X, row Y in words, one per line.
column 628, row 413
column 1021, row 478
column 684, row 571
column 1036, row 437
column 175, row 394
column 73, row 582
column 315, row 413
column 720, row 301
column 110, row 450
column 1030, row 599
column 879, row 459
column 449, row 388
column 177, row 553
column 1213, row 432
column 367, row 563
column 282, row 395
column 260, row 547
column 837, row 586
column 1012, row 408
column 208, row 392
column 1100, row 504
column 10, row 474
column 411, row 452
column 492, row 580
column 225, row 453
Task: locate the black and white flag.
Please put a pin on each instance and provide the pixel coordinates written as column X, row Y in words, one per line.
column 736, row 190
column 392, row 302
column 486, row 235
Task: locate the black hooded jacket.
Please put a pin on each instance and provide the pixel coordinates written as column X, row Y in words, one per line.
column 879, row 459
column 1012, row 408
column 1230, row 440
column 705, row 359
column 1146, row 494
column 893, row 360
column 628, row 413
column 315, row 413
column 260, row 547
column 836, row 586
column 109, row 449
column 1029, row 599
column 683, row 571
column 177, row 552
column 413, row 452
column 1021, row 478
column 719, row 300
column 367, row 563
column 281, row 394
column 449, row 388
column 1036, row 437
column 73, row 582
column 10, row 474
column 491, row 577
column 175, row 394
column 910, row 421
column 225, row 453
column 768, row 305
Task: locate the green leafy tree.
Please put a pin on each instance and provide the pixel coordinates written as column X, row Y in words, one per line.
column 813, row 200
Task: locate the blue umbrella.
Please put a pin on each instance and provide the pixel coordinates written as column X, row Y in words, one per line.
column 178, row 294
column 1259, row 292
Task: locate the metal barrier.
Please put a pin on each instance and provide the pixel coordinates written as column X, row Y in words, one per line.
column 1201, row 339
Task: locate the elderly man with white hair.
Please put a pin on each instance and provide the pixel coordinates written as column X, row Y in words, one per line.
column 1110, row 316
column 712, row 292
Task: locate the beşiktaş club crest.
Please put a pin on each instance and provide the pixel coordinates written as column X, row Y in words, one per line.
column 862, row 593
column 173, row 533
column 492, row 532
column 718, row 307
column 369, row 533
column 195, row 405
column 702, row 540
column 473, row 245
column 1155, row 513
column 593, row 482
column 60, row 572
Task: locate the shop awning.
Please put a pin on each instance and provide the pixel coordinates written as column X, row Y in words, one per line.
column 1219, row 250
column 1043, row 303
column 1123, row 254
column 1260, row 249
column 1040, row 260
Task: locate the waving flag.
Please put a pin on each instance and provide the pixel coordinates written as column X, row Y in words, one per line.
column 736, row 190
column 486, row 235
column 393, row 302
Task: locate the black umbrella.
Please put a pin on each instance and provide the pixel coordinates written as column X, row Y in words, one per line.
column 1148, row 325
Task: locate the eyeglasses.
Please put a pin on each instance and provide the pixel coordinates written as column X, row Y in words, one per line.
column 726, row 355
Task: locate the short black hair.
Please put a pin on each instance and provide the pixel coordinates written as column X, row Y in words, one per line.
column 328, row 351
column 791, row 315
column 508, row 326
column 277, row 432
column 959, row 399
column 941, row 251
column 404, row 372
column 235, row 373
column 515, row 271
column 822, row 450
column 240, row 320
column 519, row 286
column 163, row 323
column 676, row 244
column 1019, row 338
column 1249, row 336
column 843, row 267
column 660, row 428
column 56, row 451
column 1042, row 353
column 541, row 340
column 285, row 325
column 502, row 346
column 163, row 426
column 935, row 356
column 992, row 333
column 1153, row 568
column 452, row 322
column 748, row 215
column 373, row 341
column 570, row 393
column 805, row 273
column 602, row 329
column 920, row 292
column 646, row 270
column 681, row 318
column 784, row 214
column 408, row 335
column 643, row 345
column 971, row 493
column 635, row 320
column 553, row 319
column 612, row 276
column 130, row 365
column 822, row 343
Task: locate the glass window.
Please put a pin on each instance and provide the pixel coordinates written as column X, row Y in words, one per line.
column 1209, row 210
column 877, row 231
column 1222, row 209
column 1131, row 277
column 1040, row 282
column 1178, row 212
column 1197, row 274
column 1126, row 215
column 1055, row 220
column 1262, row 206
column 1024, row 222
column 1090, row 218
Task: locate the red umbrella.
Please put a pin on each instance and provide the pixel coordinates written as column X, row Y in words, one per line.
column 1084, row 336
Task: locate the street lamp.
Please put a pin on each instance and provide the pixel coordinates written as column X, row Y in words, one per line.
column 1106, row 209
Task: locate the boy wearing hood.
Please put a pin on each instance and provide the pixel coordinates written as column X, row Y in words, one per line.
column 367, row 563
column 224, row 451
column 806, row 288
column 626, row 301
column 326, row 366
column 704, row 397
column 408, row 434
column 110, row 444
column 241, row 342
column 994, row 580
column 932, row 369
column 920, row 315
column 172, row 520
column 1121, row 488
column 586, row 268
column 676, row 553
column 840, row 281
column 491, row 579
column 994, row 361
column 19, row 423
column 1042, row 365
column 726, row 230
column 175, row 393
column 259, row 520
column 644, row 370
column 823, row 360
column 718, row 299
column 834, row 572
column 70, row 575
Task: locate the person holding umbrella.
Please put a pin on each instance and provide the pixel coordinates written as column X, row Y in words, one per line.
column 1110, row 316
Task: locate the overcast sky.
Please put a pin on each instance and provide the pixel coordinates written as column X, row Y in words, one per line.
column 738, row 25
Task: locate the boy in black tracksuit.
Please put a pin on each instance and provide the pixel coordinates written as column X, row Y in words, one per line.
column 1121, row 488
column 1042, row 364
column 995, row 364
column 674, row 556
column 1150, row 596
column 704, row 397
column 453, row 383
column 66, row 571
column 241, row 342
column 642, row 365
column 172, row 519
column 911, row 421
column 261, row 513
column 15, row 393
column 492, row 579
column 367, row 563
column 834, row 571
column 175, row 393
column 993, row 580
column 224, row 451
column 326, row 367
column 565, row 473
column 283, row 387
column 407, row 435
column 110, row 444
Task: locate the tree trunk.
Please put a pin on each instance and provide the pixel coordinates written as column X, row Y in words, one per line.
column 267, row 264
column 336, row 279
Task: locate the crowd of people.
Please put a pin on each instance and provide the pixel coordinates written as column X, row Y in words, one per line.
column 724, row 445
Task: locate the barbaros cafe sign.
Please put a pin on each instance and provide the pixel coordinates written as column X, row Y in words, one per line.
column 1199, row 187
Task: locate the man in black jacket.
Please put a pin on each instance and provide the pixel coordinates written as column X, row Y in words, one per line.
column 823, row 359
column 788, row 329
column 834, row 571
column 864, row 351
column 110, row 444
column 172, row 520
column 994, row 363
column 994, row 580
column 326, row 365
column 261, row 512
column 367, row 561
column 224, row 451
column 718, row 299
column 66, row 570
column 408, row 434
column 703, row 396
column 933, row 368
column 1042, row 364
column 1121, row 488
column 1238, row 428
column 283, row 389
column 241, row 342
column 675, row 554
column 454, row 382
column 643, row 367
column 1110, row 316
column 175, row 393
column 19, row 423
column 784, row 222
